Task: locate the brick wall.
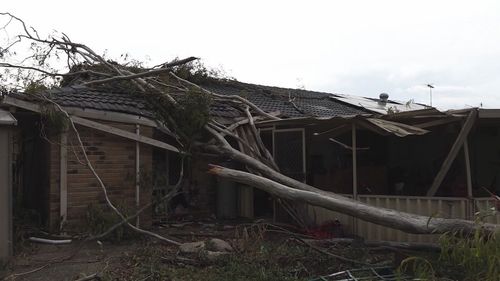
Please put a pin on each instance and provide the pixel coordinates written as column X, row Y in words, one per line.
column 113, row 158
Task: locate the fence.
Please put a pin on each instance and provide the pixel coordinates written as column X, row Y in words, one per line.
column 444, row 207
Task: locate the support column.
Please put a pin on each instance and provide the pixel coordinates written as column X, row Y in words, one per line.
column 354, row 163
column 63, row 178
column 354, row 174
column 468, row 174
column 137, row 173
column 462, row 135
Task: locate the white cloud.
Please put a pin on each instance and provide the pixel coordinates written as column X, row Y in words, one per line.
column 357, row 47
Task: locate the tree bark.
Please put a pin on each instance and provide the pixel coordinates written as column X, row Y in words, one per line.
column 406, row 222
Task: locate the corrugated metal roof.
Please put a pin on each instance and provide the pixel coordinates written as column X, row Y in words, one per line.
column 375, row 105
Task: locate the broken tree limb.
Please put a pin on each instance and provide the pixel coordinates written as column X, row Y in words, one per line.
column 228, row 151
column 406, row 222
column 49, row 241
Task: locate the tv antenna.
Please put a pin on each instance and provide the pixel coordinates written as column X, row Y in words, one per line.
column 430, row 92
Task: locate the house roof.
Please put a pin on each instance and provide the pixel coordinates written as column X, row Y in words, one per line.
column 290, row 103
column 85, row 98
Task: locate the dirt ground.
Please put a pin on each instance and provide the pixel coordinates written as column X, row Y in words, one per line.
column 42, row 262
column 50, row 262
column 263, row 253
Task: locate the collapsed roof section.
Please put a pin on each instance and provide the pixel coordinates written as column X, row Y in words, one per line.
column 381, row 105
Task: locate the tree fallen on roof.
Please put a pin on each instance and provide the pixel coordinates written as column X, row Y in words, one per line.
column 182, row 106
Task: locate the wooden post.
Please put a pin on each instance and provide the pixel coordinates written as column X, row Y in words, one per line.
column 354, row 173
column 470, row 196
column 467, row 169
column 354, row 163
column 63, row 178
column 453, row 152
column 137, row 172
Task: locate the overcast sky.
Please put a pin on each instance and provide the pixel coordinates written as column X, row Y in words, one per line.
column 350, row 47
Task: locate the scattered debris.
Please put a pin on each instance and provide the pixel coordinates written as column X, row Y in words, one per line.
column 49, row 241
column 370, row 273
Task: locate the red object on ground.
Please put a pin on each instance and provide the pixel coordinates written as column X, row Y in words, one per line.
column 329, row 229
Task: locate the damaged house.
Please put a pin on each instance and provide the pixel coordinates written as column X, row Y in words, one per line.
column 404, row 156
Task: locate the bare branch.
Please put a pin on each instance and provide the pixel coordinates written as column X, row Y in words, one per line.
column 167, row 68
column 51, row 73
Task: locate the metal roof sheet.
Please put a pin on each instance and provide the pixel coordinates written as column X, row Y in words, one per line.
column 6, row 118
column 375, row 105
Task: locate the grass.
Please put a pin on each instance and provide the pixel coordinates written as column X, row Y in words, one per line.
column 260, row 261
column 465, row 258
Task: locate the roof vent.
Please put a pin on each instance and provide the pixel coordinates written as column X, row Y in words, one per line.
column 383, row 98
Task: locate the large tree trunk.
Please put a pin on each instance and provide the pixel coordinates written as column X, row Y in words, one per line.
column 406, row 222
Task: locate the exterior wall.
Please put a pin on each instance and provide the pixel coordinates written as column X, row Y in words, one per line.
column 114, row 160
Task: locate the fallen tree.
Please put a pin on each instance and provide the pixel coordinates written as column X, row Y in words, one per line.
column 182, row 108
column 406, row 222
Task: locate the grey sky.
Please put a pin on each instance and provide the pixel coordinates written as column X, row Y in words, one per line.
column 351, row 47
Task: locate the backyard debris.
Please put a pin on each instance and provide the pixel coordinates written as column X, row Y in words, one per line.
column 213, row 248
column 413, row 246
column 49, row 241
column 329, row 229
column 192, row 247
column 369, row 273
column 219, row 245
column 89, row 277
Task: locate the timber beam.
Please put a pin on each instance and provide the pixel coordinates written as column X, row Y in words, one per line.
column 459, row 143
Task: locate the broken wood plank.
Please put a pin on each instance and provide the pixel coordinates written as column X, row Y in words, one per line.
column 464, row 132
column 122, row 133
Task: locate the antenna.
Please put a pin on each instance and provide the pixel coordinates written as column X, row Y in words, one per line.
column 430, row 92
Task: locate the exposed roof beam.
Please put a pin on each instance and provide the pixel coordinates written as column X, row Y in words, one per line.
column 438, row 122
column 122, row 133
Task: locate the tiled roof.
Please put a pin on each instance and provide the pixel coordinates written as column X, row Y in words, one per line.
column 289, row 102
column 85, row 98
